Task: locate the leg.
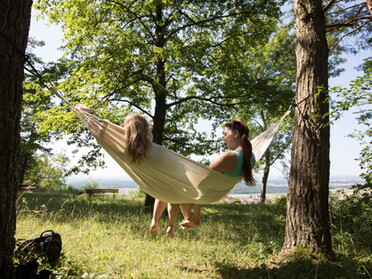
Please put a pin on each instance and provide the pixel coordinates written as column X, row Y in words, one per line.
column 194, row 221
column 186, row 210
column 172, row 216
column 159, row 207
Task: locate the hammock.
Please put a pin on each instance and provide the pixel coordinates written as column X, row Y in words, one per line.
column 167, row 175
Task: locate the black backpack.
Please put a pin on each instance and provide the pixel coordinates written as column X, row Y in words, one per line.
column 48, row 245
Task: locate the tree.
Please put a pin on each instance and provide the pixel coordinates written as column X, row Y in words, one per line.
column 276, row 150
column 307, row 223
column 48, row 172
column 278, row 67
column 14, row 26
column 34, row 137
column 158, row 58
column 33, row 100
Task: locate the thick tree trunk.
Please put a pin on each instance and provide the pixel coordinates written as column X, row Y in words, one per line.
column 160, row 92
column 307, row 223
column 14, row 26
column 369, row 5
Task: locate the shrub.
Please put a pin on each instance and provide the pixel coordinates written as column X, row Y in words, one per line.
column 351, row 217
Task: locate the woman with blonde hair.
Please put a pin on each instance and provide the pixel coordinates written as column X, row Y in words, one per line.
column 137, row 135
column 237, row 161
column 137, row 144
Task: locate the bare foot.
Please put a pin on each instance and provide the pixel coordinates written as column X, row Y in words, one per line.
column 191, row 223
column 154, row 229
column 170, row 231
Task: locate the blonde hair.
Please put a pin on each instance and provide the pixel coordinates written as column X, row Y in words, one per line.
column 137, row 137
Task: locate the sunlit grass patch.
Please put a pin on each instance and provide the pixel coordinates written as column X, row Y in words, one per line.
column 109, row 238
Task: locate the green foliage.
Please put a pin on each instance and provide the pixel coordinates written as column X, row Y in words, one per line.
column 109, row 238
column 174, row 61
column 91, row 185
column 33, row 138
column 358, row 96
column 48, row 173
column 352, row 219
column 275, row 71
column 280, row 205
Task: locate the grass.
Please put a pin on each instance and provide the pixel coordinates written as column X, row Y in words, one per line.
column 108, row 238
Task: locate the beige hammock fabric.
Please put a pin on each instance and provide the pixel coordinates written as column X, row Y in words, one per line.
column 166, row 175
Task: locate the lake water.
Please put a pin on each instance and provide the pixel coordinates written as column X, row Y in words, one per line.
column 275, row 185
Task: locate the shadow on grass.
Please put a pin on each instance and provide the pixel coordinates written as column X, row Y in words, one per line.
column 265, row 223
column 302, row 269
column 66, row 207
column 245, row 223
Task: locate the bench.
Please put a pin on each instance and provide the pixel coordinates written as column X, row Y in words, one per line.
column 26, row 186
column 93, row 192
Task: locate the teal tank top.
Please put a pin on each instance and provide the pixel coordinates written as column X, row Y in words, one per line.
column 238, row 171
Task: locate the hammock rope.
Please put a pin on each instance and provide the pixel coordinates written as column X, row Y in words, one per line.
column 165, row 174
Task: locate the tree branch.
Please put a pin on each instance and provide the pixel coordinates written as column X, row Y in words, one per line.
column 210, row 100
column 136, row 17
column 193, row 22
column 140, row 76
column 133, row 105
column 328, row 6
column 347, row 23
column 348, row 8
column 229, row 38
column 280, row 153
column 168, row 20
column 351, row 32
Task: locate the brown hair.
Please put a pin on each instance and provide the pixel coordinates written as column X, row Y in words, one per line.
column 137, row 137
column 242, row 128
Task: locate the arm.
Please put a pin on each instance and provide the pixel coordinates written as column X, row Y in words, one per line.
column 225, row 163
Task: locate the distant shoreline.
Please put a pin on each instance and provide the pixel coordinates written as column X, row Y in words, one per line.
column 246, row 198
column 276, row 185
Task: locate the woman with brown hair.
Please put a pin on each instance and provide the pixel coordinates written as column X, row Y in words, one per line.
column 238, row 161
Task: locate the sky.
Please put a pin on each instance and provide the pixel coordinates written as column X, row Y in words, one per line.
column 344, row 150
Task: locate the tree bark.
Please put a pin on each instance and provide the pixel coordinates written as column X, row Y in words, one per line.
column 369, row 5
column 159, row 90
column 14, row 26
column 307, row 223
column 265, row 175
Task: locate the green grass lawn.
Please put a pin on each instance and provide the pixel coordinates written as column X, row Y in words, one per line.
column 109, row 238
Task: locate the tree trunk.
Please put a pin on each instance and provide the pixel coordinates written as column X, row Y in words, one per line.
column 265, row 175
column 14, row 26
column 160, row 92
column 307, row 223
column 24, row 160
column 369, row 5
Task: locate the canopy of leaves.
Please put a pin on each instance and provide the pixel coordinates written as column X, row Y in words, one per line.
column 174, row 61
column 48, row 172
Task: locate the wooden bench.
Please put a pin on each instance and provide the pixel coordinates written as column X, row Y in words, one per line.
column 26, row 187
column 93, row 192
